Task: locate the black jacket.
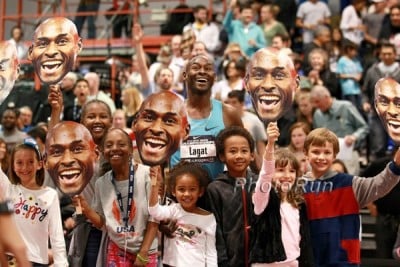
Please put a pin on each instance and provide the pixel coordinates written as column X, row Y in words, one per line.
column 224, row 199
column 266, row 235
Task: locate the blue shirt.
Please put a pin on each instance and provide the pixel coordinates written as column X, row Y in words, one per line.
column 239, row 33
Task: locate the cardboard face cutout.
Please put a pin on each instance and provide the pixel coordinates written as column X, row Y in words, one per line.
column 160, row 127
column 387, row 106
column 271, row 80
column 9, row 68
column 70, row 157
column 54, row 49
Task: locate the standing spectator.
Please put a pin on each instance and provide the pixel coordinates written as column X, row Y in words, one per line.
column 342, row 118
column 87, row 6
column 16, row 38
column 310, row 14
column 37, row 208
column 229, row 196
column 349, row 70
column 287, row 9
column 10, row 132
column 281, row 231
column 204, row 30
column 251, row 123
column 373, row 24
column 122, row 21
column 322, row 39
column 351, row 23
column 390, row 29
column 298, row 133
column 269, row 23
column 120, row 205
column 334, row 200
column 386, row 67
column 244, row 31
column 194, row 243
column 95, row 92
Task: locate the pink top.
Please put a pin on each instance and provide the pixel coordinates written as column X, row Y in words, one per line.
column 290, row 216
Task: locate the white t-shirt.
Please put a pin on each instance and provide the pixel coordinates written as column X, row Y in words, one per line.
column 312, row 13
column 194, row 244
column 38, row 218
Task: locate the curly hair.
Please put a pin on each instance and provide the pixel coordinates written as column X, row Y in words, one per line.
column 193, row 169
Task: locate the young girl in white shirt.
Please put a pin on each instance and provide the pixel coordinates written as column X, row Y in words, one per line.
column 37, row 208
column 194, row 241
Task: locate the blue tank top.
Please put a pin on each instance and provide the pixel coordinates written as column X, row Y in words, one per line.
column 200, row 146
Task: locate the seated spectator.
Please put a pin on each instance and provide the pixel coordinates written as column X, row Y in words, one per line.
column 305, row 109
column 177, row 20
column 25, row 118
column 320, row 73
column 10, row 132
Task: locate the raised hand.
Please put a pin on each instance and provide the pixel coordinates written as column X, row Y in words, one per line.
column 272, row 132
column 55, row 97
column 272, row 137
column 137, row 35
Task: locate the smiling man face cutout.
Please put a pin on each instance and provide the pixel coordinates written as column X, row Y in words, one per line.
column 160, row 127
column 55, row 47
column 387, row 106
column 71, row 156
column 271, row 80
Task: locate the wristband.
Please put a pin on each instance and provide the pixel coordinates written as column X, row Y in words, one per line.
column 141, row 259
column 6, row 207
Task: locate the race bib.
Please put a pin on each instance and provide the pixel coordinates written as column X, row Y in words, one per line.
column 199, row 149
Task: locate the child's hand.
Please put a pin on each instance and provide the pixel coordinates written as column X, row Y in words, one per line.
column 396, row 158
column 80, row 204
column 155, row 175
column 55, row 98
column 137, row 33
column 272, row 132
column 168, row 228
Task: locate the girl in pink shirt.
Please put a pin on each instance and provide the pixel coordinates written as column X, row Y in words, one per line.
column 280, row 232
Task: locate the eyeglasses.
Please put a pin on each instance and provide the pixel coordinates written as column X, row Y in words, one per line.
column 29, row 141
